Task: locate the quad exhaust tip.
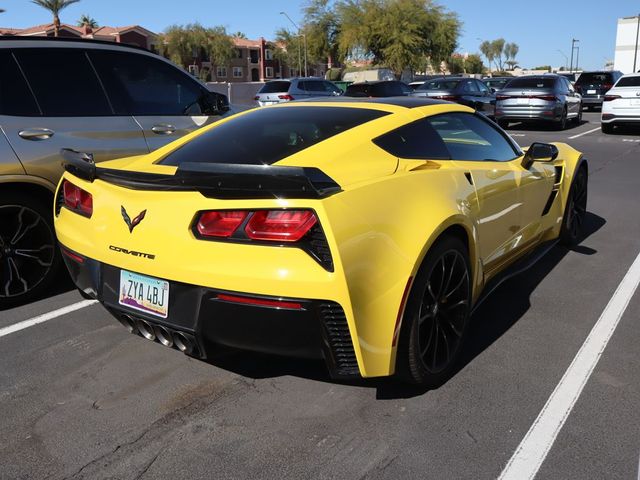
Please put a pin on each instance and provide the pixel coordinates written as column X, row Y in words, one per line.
column 128, row 323
column 183, row 342
column 146, row 330
column 164, row 336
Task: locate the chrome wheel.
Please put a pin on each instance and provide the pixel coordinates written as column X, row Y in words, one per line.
column 27, row 250
column 443, row 311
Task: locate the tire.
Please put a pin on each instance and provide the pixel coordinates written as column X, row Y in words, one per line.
column 430, row 343
column 562, row 123
column 606, row 128
column 29, row 254
column 578, row 119
column 572, row 228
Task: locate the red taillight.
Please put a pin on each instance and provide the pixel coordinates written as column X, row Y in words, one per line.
column 502, row 97
column 286, row 97
column 220, row 223
column 449, row 98
column 73, row 256
column 547, row 98
column 260, row 302
column 77, row 199
column 609, row 98
column 280, row 225
column 606, row 86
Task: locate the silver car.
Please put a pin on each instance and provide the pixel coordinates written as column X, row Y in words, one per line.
column 548, row 98
column 278, row 91
column 98, row 97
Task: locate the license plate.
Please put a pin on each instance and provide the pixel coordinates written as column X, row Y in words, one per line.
column 523, row 101
column 591, row 92
column 146, row 294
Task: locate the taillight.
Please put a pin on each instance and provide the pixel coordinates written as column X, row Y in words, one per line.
column 502, row 97
column 286, row 97
column 77, row 199
column 609, row 98
column 220, row 224
column 450, row 98
column 280, row 225
column 260, row 302
column 577, row 88
column 606, row 86
column 256, row 98
column 547, row 98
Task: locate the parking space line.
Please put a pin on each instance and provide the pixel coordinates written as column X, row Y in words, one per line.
column 45, row 317
column 584, row 133
column 528, row 457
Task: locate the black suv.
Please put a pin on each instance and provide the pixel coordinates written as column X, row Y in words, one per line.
column 594, row 85
column 383, row 88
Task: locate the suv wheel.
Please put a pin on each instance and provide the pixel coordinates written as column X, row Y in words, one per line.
column 29, row 257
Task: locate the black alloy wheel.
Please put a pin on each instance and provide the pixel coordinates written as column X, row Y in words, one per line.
column 575, row 210
column 28, row 252
column 436, row 315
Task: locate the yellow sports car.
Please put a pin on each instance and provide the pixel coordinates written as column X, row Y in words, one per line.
column 360, row 232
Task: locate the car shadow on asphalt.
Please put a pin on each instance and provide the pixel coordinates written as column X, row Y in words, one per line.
column 625, row 130
column 542, row 127
column 61, row 284
column 498, row 313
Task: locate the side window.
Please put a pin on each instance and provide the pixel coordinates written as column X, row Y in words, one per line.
column 469, row 86
column 405, row 89
column 302, row 85
column 141, row 85
column 63, row 82
column 15, row 96
column 315, row 86
column 331, row 88
column 468, row 137
column 417, row 140
column 482, row 87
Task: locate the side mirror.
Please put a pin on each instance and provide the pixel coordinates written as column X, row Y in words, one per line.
column 539, row 152
column 493, row 90
column 214, row 103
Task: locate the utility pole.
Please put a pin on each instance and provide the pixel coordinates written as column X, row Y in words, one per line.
column 577, row 57
column 305, row 45
column 573, row 43
column 635, row 54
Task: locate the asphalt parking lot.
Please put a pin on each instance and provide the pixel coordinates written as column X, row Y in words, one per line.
column 82, row 398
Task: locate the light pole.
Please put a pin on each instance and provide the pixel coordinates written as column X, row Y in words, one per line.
column 566, row 59
column 305, row 44
column 635, row 55
column 577, row 57
column 573, row 47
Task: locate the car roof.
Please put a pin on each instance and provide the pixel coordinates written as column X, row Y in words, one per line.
column 407, row 102
column 375, row 82
column 66, row 42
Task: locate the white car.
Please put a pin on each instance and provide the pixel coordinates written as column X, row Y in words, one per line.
column 621, row 104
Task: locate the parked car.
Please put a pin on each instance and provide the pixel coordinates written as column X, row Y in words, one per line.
column 496, row 83
column 547, row 98
column 279, row 91
column 110, row 99
column 466, row 91
column 421, row 79
column 571, row 76
column 593, row 86
column 621, row 104
column 383, row 88
column 262, row 244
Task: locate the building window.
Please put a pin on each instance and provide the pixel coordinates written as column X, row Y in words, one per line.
column 237, row 72
column 269, row 72
column 238, row 53
column 254, row 56
column 268, row 54
column 221, row 72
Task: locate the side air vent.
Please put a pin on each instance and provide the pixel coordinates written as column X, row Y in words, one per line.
column 59, row 201
column 337, row 333
column 318, row 247
column 559, row 171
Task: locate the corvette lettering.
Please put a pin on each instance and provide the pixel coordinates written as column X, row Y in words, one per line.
column 132, row 252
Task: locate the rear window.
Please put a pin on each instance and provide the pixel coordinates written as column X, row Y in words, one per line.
column 532, row 82
column 274, row 87
column 357, row 90
column 595, row 78
column 629, row 82
column 439, row 85
column 15, row 97
column 262, row 137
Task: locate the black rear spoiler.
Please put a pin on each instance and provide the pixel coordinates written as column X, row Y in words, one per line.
column 214, row 180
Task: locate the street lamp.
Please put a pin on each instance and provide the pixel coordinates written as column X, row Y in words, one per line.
column 573, row 47
column 635, row 55
column 304, row 36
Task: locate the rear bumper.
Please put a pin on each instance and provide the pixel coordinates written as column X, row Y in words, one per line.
column 592, row 101
column 317, row 329
column 619, row 119
column 525, row 114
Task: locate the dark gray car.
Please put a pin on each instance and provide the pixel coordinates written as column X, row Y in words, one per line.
column 466, row 91
column 104, row 98
column 593, row 86
column 547, row 98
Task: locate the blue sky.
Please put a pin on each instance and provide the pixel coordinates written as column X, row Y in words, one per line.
column 540, row 27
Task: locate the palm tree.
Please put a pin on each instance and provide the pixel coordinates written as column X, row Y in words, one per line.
column 55, row 6
column 87, row 21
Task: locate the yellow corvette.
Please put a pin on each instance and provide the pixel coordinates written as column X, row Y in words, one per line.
column 362, row 232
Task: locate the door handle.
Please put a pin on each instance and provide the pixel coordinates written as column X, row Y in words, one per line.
column 36, row 134
column 163, row 129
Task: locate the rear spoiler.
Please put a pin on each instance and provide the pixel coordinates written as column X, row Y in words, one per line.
column 213, row 180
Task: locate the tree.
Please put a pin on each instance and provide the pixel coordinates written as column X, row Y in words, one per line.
column 184, row 44
column 289, row 49
column 456, row 64
column 322, row 28
column 55, row 7
column 239, row 35
column 399, row 34
column 510, row 51
column 87, row 21
column 473, row 64
column 487, row 50
column 498, row 50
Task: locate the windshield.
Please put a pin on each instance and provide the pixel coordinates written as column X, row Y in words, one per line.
column 264, row 136
column 439, row 85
